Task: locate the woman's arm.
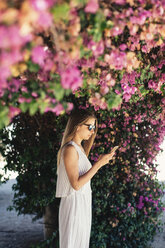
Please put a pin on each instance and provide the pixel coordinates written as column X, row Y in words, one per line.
column 71, row 165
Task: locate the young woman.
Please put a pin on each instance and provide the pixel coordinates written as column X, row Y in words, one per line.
column 74, row 172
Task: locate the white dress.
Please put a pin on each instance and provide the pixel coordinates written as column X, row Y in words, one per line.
column 75, row 211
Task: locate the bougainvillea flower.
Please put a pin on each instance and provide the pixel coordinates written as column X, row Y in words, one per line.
column 123, row 47
column 96, row 47
column 71, row 78
column 41, row 5
column 152, row 84
column 45, row 19
column 117, row 59
column 117, row 30
column 13, row 111
column 140, row 19
column 38, row 55
column 121, row 2
column 4, row 72
column 92, row 6
column 12, row 33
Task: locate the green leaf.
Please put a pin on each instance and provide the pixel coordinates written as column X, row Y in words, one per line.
column 42, row 106
column 162, row 88
column 61, row 12
column 143, row 90
column 114, row 100
column 84, row 52
column 4, row 116
column 33, row 107
column 24, row 106
column 58, row 91
column 33, row 67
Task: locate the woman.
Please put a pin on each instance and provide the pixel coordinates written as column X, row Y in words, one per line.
column 74, row 172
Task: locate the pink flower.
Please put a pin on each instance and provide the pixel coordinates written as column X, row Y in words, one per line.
column 117, row 30
column 104, row 90
column 161, row 64
column 34, row 94
column 10, row 58
column 117, row 60
column 4, row 72
column 87, row 63
column 38, row 55
column 123, row 47
column 140, row 205
column 70, row 106
column 152, row 85
column 13, row 111
column 11, row 37
column 98, row 102
column 92, row 6
column 45, row 19
column 58, row 109
column 97, row 48
column 14, row 85
column 141, row 18
column 71, row 78
column 3, row 86
column 121, row 2
column 49, row 63
column 41, row 5
column 117, row 92
column 23, row 99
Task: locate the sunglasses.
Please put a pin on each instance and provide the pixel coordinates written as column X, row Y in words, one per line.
column 90, row 126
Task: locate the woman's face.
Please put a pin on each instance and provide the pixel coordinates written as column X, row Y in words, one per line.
column 83, row 130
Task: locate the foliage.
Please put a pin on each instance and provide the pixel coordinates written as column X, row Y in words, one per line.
column 48, row 243
column 30, row 148
column 126, row 193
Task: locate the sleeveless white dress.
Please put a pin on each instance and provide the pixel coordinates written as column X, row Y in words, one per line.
column 75, row 211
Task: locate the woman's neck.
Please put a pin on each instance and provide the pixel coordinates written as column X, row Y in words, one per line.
column 77, row 141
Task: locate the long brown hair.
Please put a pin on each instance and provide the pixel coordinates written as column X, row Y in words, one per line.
column 77, row 117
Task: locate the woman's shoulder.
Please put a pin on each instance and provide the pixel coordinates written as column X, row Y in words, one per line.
column 70, row 149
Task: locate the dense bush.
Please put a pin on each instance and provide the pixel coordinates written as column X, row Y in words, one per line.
column 103, row 55
column 126, row 193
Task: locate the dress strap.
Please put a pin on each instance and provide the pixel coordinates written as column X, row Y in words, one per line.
column 77, row 146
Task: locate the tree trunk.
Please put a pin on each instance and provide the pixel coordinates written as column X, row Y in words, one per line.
column 50, row 218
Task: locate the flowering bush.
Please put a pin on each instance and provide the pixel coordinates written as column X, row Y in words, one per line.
column 126, row 193
column 111, row 50
column 104, row 55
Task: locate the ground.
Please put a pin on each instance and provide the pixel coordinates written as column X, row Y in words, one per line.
column 16, row 231
column 20, row 232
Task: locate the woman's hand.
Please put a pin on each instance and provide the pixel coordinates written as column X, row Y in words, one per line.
column 105, row 158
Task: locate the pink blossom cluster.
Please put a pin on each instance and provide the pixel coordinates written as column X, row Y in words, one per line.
column 71, row 78
column 96, row 48
column 116, row 59
column 127, row 44
column 44, row 16
column 127, row 83
column 92, row 6
column 11, row 52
